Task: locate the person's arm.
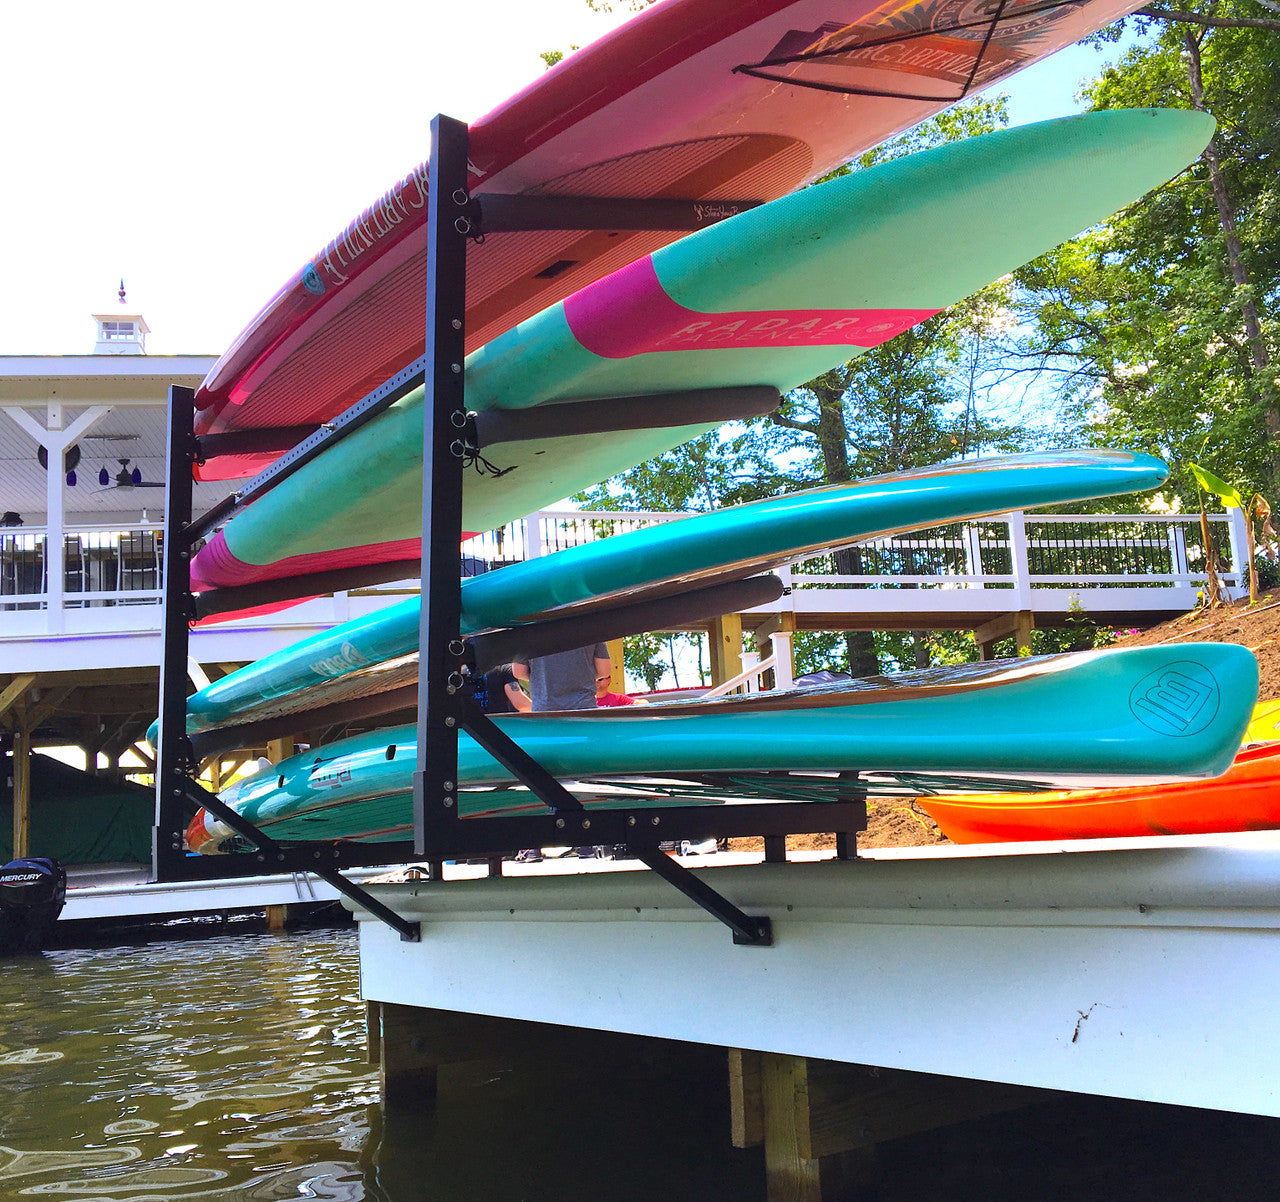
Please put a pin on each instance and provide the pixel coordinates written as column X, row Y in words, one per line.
column 519, row 671
column 517, row 696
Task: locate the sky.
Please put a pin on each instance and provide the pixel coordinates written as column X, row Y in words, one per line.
column 204, row 152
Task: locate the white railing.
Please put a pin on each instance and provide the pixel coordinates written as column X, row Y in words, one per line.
column 1020, row 554
column 1016, row 556
column 117, row 565
column 552, row 530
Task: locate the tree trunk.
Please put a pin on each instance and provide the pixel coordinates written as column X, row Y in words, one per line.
column 833, row 443
column 1235, row 254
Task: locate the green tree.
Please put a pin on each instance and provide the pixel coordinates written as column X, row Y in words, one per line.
column 1162, row 320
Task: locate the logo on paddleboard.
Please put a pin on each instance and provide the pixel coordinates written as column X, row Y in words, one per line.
column 1178, row 699
column 348, row 659
column 329, row 778
column 311, row 280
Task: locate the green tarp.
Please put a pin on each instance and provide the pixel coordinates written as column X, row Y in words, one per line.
column 79, row 819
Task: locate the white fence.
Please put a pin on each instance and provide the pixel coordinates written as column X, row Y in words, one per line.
column 1020, row 557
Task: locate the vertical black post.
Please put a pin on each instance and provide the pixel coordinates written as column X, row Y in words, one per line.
column 441, row 702
column 174, row 757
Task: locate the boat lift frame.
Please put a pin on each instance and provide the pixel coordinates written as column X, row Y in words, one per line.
column 445, row 708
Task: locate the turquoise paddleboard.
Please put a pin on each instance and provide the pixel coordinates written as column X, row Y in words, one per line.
column 772, row 297
column 1121, row 716
column 352, row 658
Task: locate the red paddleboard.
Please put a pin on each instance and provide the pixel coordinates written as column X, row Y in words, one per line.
column 693, row 100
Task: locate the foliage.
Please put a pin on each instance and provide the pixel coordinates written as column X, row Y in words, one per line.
column 1256, row 510
column 1161, row 322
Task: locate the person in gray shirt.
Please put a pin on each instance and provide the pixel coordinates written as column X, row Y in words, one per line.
column 565, row 680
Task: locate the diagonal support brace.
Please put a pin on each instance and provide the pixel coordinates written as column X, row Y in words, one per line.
column 748, row 930
column 511, row 755
column 410, row 932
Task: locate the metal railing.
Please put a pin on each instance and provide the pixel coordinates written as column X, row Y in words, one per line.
column 1020, row 553
column 1014, row 553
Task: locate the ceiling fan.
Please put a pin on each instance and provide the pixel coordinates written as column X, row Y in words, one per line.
column 126, row 477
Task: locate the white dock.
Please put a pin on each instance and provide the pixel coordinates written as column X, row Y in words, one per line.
column 125, row 891
column 1144, row 969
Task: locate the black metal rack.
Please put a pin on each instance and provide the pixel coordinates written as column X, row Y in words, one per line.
column 444, row 707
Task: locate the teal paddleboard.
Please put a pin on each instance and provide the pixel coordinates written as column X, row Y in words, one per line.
column 771, row 297
column 327, row 668
column 1122, row 716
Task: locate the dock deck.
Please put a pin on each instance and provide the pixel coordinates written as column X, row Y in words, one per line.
column 1143, row 969
column 120, row 891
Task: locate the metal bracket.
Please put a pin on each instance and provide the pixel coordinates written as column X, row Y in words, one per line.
column 495, row 213
column 748, row 930
column 364, row 410
column 410, row 932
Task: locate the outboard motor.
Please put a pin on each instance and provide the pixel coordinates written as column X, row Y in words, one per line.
column 32, row 894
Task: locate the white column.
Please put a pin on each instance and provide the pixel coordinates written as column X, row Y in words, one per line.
column 1021, row 566
column 1238, row 536
column 55, row 440
column 783, row 667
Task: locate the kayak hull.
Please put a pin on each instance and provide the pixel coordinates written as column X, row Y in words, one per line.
column 1245, row 798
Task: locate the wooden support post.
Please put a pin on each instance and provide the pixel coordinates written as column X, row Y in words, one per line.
column 1023, row 624
column 373, row 1032
column 1020, row 624
column 407, row 1057
column 21, row 794
column 279, row 749
column 617, row 675
column 819, row 1120
column 277, row 917
column 726, row 648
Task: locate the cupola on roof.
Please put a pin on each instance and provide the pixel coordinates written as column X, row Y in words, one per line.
column 121, row 332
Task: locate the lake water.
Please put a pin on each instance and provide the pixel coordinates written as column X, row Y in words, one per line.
column 232, row 1068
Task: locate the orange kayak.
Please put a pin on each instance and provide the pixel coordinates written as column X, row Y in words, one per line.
column 1245, row 798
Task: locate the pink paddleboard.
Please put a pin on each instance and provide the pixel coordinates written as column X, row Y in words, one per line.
column 692, row 99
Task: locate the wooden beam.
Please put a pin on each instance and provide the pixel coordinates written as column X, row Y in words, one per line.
column 1019, row 624
column 726, row 648
column 854, row 1105
column 13, row 690
column 143, row 754
column 47, row 706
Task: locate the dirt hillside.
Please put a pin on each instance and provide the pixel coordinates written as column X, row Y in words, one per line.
column 1254, row 626
column 897, row 824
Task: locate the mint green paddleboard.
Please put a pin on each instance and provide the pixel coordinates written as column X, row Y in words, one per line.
column 352, row 659
column 1121, row 716
column 772, row 297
